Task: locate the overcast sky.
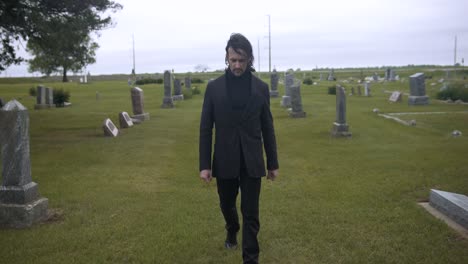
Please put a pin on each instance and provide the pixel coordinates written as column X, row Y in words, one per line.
column 180, row 34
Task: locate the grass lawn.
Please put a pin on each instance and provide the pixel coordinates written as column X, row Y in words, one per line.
column 137, row 198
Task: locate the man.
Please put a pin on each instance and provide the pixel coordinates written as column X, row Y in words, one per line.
column 238, row 105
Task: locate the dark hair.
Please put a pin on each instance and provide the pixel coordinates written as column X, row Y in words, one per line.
column 241, row 45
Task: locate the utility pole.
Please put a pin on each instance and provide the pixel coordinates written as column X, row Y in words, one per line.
column 269, row 44
column 455, row 52
column 133, row 71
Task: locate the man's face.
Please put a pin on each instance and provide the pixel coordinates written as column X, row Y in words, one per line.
column 237, row 62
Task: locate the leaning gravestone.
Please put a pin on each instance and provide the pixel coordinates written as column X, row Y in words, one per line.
column 110, row 130
column 125, row 120
column 274, row 78
column 396, row 97
column 178, row 96
column 340, row 127
column 167, row 100
column 418, row 90
column 296, row 102
column 137, row 104
column 288, row 82
column 453, row 205
column 20, row 202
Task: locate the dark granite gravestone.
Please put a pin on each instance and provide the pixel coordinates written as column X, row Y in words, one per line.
column 20, row 202
column 340, row 127
column 418, row 90
column 125, row 120
column 167, row 100
column 178, row 96
column 188, row 84
column 274, row 78
column 137, row 104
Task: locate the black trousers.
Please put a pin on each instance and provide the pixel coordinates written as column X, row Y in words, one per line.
column 250, row 193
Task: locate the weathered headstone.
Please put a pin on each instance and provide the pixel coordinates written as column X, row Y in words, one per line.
column 125, row 120
column 110, row 130
column 137, row 104
column 274, row 78
column 167, row 100
column 178, row 96
column 396, row 97
column 20, row 202
column 331, row 75
column 418, row 90
column 296, row 101
column 340, row 127
column 288, row 82
column 453, row 205
column 367, row 90
column 359, row 90
column 44, row 97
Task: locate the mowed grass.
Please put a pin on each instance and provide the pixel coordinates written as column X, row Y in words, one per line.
column 137, row 198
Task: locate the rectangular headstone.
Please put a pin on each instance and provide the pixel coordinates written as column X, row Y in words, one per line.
column 418, row 90
column 453, row 205
column 137, row 104
column 274, row 79
column 395, row 97
column 296, row 101
column 167, row 99
column 340, row 127
column 110, row 130
column 125, row 120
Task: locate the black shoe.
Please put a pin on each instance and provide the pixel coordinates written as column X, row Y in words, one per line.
column 231, row 241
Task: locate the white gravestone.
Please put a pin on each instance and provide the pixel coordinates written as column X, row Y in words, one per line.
column 395, row 97
column 125, row 120
column 109, row 128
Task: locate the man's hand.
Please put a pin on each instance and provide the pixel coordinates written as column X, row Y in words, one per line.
column 206, row 175
column 272, row 174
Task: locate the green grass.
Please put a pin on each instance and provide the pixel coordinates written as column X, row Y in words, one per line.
column 137, row 198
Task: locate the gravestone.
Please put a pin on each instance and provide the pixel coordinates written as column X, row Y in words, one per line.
column 352, row 90
column 188, row 84
column 396, row 97
column 367, row 90
column 110, row 130
column 288, row 82
column 418, row 90
column 453, row 205
column 125, row 120
column 375, row 77
column 321, row 76
column 167, row 100
column 178, row 96
column 359, row 90
column 331, row 75
column 296, row 101
column 137, row 104
column 20, row 202
column 44, row 97
column 274, row 78
column 340, row 127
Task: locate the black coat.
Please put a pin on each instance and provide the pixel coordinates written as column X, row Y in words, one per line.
column 234, row 132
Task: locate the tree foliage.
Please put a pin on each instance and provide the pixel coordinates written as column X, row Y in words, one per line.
column 28, row 19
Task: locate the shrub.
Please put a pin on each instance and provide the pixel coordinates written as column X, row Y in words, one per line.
column 197, row 80
column 307, row 81
column 60, row 97
column 32, row 91
column 195, row 90
column 187, row 93
column 332, row 90
column 454, row 91
column 148, row 81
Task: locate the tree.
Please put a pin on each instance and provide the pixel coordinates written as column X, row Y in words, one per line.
column 201, row 68
column 25, row 19
column 64, row 45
